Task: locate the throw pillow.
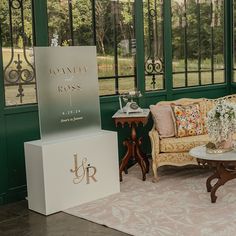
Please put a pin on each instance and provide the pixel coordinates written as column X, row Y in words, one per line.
column 188, row 120
column 163, row 120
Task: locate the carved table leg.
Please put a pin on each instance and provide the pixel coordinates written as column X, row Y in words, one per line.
column 134, row 151
column 208, row 182
column 144, row 157
column 147, row 164
column 126, row 158
column 137, row 153
column 223, row 175
column 213, row 190
column 141, row 161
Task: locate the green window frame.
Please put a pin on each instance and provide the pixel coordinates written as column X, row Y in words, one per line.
column 17, row 52
column 234, row 41
column 110, row 26
column 140, row 45
column 153, row 19
column 198, row 42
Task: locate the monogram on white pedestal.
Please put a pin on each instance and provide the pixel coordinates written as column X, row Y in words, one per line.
column 83, row 171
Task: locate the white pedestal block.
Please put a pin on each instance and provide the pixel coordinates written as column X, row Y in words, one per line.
column 66, row 173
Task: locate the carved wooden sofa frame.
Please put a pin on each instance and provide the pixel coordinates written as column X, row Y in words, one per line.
column 181, row 146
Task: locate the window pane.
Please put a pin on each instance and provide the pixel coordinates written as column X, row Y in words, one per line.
column 106, row 66
column 153, row 42
column 219, row 76
column 126, row 65
column 29, row 94
column 58, row 22
column 206, row 78
column 191, row 34
column 198, row 41
column 71, row 21
column 126, row 84
column 219, row 37
column 82, row 15
column 106, row 87
column 115, row 37
column 179, row 80
column 109, row 24
column 193, row 79
column 158, row 80
column 17, row 42
column 126, row 45
column 105, row 37
column 178, row 46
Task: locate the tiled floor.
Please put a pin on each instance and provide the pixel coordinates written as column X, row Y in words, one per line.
column 17, row 220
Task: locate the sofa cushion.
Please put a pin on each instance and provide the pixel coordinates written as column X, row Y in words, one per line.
column 163, row 120
column 183, row 144
column 188, row 120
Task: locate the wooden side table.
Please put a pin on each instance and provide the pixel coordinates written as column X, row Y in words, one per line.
column 224, row 167
column 133, row 143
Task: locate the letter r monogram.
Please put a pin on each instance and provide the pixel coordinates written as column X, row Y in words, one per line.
column 93, row 174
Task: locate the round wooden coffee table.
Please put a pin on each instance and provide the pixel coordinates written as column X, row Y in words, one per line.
column 224, row 167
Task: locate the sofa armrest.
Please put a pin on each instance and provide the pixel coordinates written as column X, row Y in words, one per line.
column 155, row 142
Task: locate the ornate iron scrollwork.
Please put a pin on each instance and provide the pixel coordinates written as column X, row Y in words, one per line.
column 16, row 4
column 14, row 72
column 153, row 67
column 154, row 64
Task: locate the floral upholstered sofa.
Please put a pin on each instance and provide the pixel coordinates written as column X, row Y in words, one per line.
column 170, row 141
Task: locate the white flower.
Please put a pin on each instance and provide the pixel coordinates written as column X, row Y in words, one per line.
column 54, row 40
column 221, row 121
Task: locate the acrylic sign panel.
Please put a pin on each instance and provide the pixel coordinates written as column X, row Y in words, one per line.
column 67, row 89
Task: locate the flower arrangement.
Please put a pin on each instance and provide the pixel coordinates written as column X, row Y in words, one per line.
column 221, row 122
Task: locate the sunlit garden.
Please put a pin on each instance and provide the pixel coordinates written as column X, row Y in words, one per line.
column 195, row 43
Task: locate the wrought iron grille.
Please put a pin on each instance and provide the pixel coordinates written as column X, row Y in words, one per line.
column 19, row 71
column 154, row 63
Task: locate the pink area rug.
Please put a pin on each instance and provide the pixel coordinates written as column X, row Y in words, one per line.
column 177, row 205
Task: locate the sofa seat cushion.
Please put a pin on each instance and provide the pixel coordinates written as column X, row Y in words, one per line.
column 183, row 144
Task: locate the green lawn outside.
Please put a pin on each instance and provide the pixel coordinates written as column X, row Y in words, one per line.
column 126, row 67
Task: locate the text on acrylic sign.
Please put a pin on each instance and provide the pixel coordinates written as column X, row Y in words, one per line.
column 67, row 86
